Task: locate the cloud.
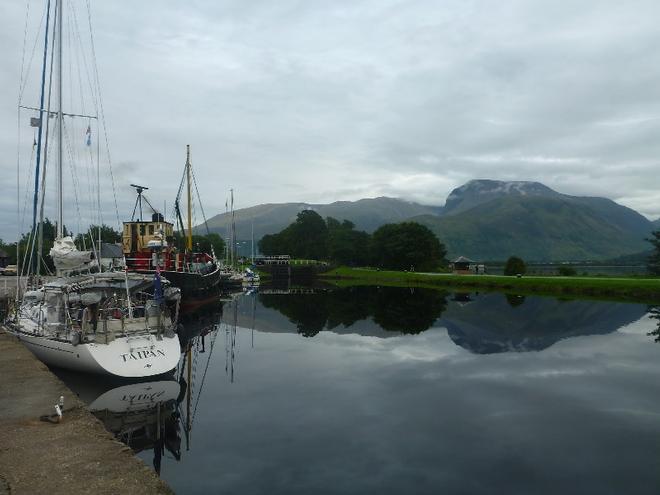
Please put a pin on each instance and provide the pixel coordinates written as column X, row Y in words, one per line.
column 340, row 98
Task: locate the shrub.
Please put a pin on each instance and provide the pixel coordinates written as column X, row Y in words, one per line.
column 514, row 266
column 566, row 271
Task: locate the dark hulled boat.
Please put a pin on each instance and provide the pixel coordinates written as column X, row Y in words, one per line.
column 149, row 246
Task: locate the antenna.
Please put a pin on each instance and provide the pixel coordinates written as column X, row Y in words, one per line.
column 139, row 188
column 138, row 201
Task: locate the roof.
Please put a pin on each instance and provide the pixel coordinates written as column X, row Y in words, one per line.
column 109, row 250
column 463, row 259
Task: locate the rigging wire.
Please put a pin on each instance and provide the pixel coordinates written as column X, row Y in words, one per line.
column 82, row 63
column 101, row 112
column 206, row 368
column 25, row 67
column 25, row 35
column 85, row 63
column 77, row 53
column 74, row 175
column 71, row 130
column 199, row 199
column 18, row 151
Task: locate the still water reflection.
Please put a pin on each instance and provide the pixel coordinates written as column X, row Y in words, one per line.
column 369, row 390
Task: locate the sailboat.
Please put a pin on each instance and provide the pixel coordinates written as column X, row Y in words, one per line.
column 231, row 277
column 251, row 278
column 111, row 323
column 150, row 246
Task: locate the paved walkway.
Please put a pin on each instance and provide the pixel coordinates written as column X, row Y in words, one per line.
column 75, row 456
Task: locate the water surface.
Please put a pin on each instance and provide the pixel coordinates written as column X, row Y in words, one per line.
column 387, row 390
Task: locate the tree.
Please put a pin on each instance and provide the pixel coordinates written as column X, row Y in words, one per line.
column 346, row 245
column 306, row 238
column 515, row 266
column 653, row 262
column 404, row 245
column 108, row 234
column 566, row 271
column 270, row 244
column 49, row 232
column 208, row 242
column 309, row 236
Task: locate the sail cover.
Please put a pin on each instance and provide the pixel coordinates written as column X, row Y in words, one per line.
column 67, row 257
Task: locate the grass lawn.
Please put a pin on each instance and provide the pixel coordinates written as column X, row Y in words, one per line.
column 645, row 290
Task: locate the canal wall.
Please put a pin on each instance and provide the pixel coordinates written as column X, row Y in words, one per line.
column 76, row 455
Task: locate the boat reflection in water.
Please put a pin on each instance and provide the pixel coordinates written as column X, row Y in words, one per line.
column 159, row 414
column 143, row 415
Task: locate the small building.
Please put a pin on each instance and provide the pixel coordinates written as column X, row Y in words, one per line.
column 112, row 256
column 466, row 266
column 280, row 259
column 4, row 258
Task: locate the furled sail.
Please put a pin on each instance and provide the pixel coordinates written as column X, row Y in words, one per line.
column 67, row 257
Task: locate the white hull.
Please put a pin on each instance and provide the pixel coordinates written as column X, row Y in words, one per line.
column 126, row 357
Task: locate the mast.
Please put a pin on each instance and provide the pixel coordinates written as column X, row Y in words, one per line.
column 188, row 165
column 227, row 233
column 232, row 236
column 39, row 135
column 40, row 228
column 60, row 125
column 188, row 396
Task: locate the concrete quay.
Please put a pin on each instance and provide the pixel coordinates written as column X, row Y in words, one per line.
column 74, row 456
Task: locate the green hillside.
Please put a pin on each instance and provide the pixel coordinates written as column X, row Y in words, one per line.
column 366, row 214
column 541, row 228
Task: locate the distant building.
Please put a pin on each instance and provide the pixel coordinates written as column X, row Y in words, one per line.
column 281, row 259
column 466, row 266
column 4, row 259
column 112, row 256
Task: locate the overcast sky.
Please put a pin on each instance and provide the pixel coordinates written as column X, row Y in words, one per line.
column 323, row 101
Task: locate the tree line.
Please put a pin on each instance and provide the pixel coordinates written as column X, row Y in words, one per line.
column 396, row 246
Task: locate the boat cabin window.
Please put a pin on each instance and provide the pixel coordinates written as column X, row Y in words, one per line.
column 151, row 230
column 142, row 229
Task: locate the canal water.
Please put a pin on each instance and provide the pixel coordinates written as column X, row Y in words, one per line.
column 386, row 390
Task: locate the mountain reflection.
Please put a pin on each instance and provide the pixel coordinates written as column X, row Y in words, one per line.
column 481, row 323
column 492, row 324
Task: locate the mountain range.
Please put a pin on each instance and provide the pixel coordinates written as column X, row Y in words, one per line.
column 483, row 220
column 366, row 214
